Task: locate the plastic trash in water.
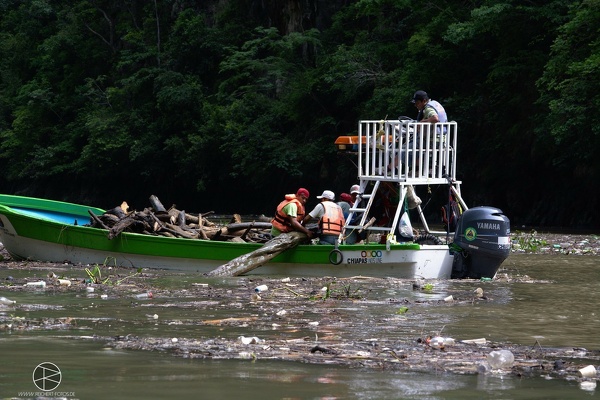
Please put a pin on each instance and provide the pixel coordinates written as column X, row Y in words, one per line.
column 440, row 342
column 501, row 359
column 63, row 282
column 484, row 368
column 261, row 288
column 588, row 372
column 147, row 295
column 249, row 340
column 36, row 284
column 474, row 341
column 8, row 302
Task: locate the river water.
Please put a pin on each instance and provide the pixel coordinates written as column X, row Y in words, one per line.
column 539, row 300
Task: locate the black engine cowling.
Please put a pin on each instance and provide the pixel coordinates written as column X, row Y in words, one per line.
column 483, row 235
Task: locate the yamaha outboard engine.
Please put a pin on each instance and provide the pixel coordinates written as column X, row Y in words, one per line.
column 483, row 235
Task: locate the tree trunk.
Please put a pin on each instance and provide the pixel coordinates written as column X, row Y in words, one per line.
column 258, row 257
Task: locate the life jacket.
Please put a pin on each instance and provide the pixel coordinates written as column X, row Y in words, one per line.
column 439, row 109
column 332, row 221
column 281, row 222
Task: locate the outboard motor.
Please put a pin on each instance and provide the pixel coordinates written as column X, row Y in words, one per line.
column 483, row 235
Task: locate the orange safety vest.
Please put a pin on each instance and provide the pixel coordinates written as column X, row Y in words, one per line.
column 281, row 222
column 332, row 221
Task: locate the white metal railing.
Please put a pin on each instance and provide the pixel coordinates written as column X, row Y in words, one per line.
column 403, row 153
column 407, row 151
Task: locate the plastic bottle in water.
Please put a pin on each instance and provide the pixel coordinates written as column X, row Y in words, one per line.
column 147, row 295
column 261, row 288
column 439, row 342
column 5, row 301
column 501, row 359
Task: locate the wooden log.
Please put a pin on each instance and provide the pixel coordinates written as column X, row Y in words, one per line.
column 192, row 219
column 202, row 234
column 157, row 205
column 118, row 211
column 123, row 224
column 215, row 233
column 181, row 219
column 258, row 257
column 149, row 218
column 368, row 224
column 264, row 218
column 176, row 230
column 257, row 237
column 206, row 222
column 97, row 220
column 245, row 234
column 246, row 225
column 108, row 219
column 156, row 223
column 173, row 215
column 165, row 217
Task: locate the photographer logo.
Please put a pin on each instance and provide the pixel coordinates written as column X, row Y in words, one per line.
column 47, row 376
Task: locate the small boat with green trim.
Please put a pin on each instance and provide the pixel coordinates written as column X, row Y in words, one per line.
column 389, row 159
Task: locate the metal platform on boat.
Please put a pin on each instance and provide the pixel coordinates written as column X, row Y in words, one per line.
column 393, row 155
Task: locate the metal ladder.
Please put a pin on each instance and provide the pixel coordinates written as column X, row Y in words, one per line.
column 364, row 210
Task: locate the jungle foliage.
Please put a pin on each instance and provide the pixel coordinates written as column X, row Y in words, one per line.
column 228, row 105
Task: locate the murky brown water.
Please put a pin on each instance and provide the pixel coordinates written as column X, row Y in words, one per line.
column 547, row 301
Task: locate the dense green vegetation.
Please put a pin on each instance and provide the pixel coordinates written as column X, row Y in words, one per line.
column 227, row 105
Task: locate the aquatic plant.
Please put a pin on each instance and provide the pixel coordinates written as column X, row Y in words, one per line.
column 527, row 242
column 95, row 274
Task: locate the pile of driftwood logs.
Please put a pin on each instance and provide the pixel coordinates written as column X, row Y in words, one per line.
column 157, row 220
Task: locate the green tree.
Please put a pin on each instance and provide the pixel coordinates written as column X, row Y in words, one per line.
column 270, row 132
column 570, row 130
